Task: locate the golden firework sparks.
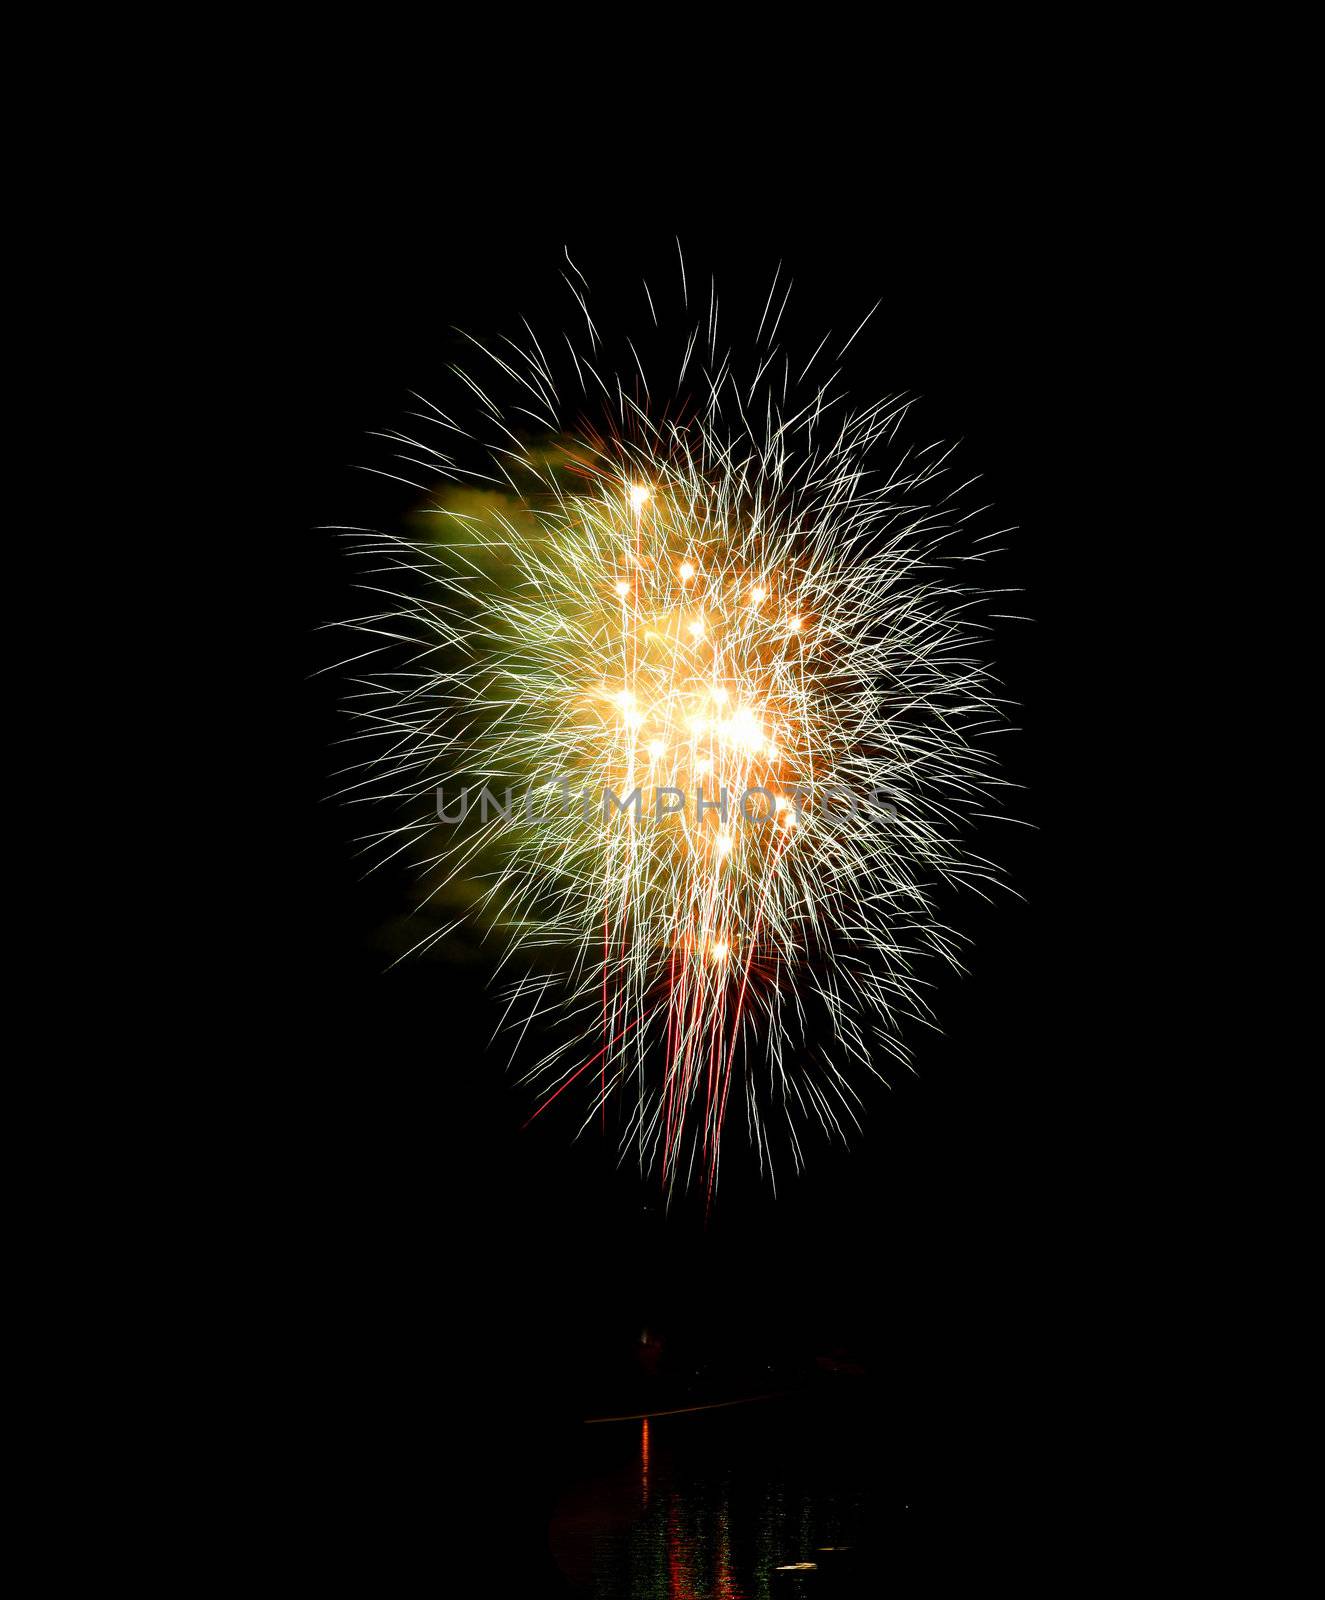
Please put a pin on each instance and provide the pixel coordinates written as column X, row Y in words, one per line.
column 730, row 662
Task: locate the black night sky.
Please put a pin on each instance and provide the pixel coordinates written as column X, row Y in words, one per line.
column 442, row 1296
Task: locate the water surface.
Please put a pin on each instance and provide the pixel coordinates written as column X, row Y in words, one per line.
column 797, row 1495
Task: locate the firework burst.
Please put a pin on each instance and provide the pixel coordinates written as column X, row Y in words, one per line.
column 699, row 684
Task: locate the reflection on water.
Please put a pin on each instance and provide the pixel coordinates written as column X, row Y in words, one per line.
column 783, row 1498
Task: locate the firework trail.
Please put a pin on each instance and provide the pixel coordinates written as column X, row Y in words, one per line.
column 702, row 640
